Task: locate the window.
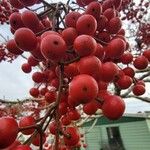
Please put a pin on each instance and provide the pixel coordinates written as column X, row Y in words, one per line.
column 114, row 138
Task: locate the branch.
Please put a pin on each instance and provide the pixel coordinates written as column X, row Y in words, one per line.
column 3, row 38
column 145, row 99
column 144, row 70
column 18, row 101
column 92, row 126
column 144, row 76
column 61, row 76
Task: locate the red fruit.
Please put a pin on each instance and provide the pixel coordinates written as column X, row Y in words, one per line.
column 48, row 33
column 80, row 3
column 71, row 19
column 113, row 108
column 100, row 52
column 30, row 19
column 85, row 49
column 102, row 22
column 90, row 108
column 71, row 70
column 117, row 3
column 37, row 77
column 86, row 24
column 16, row 4
column 124, row 82
column 73, row 102
column 15, row 21
column 63, row 108
column 115, row 48
column 32, row 61
column 69, row 35
column 73, row 138
column 147, row 54
column 25, row 39
column 85, row 145
column 109, row 13
column 121, row 32
column 104, row 36
column 141, row 62
column 107, row 4
column 26, row 68
column 87, row 2
column 25, row 122
column 126, row 58
column 43, row 91
column 109, row 71
column 114, row 25
column 23, row 147
column 104, row 94
column 90, row 65
column 53, row 47
column 65, row 120
column 81, row 91
column 50, row 96
column 12, row 146
column 12, row 47
column 36, row 53
column 94, row 9
column 34, row 92
column 138, row 90
column 102, row 85
column 74, row 115
column 141, row 82
column 129, row 72
column 52, row 128
column 36, row 140
column 28, row 2
column 8, row 131
column 55, row 83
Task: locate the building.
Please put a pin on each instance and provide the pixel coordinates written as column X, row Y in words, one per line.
column 131, row 132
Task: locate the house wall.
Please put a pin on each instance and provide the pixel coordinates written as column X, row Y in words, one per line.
column 135, row 136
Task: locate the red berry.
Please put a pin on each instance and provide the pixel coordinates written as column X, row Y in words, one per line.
column 147, row 54
column 115, row 48
column 71, row 19
column 113, row 108
column 53, row 47
column 25, row 39
column 73, row 136
column 23, row 147
column 141, row 62
column 12, row 47
column 86, row 24
column 124, row 82
column 138, row 90
column 109, row 71
column 82, row 91
column 34, row 92
column 26, row 68
column 85, row 49
column 25, row 122
column 8, row 131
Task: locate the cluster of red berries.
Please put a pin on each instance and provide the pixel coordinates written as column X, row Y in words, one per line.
column 77, row 64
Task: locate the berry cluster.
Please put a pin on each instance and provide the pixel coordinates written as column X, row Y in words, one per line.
column 79, row 53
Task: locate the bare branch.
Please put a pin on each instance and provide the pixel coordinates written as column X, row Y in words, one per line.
column 145, row 99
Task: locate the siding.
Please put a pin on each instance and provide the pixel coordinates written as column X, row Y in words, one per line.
column 93, row 138
column 135, row 136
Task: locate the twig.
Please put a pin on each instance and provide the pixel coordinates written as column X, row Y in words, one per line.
column 61, row 76
column 145, row 99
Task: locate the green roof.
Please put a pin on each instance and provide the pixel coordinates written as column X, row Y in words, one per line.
column 104, row 121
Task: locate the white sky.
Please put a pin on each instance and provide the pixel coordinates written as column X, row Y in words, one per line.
column 15, row 84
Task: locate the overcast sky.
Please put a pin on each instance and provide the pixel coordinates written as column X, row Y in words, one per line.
column 15, row 84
